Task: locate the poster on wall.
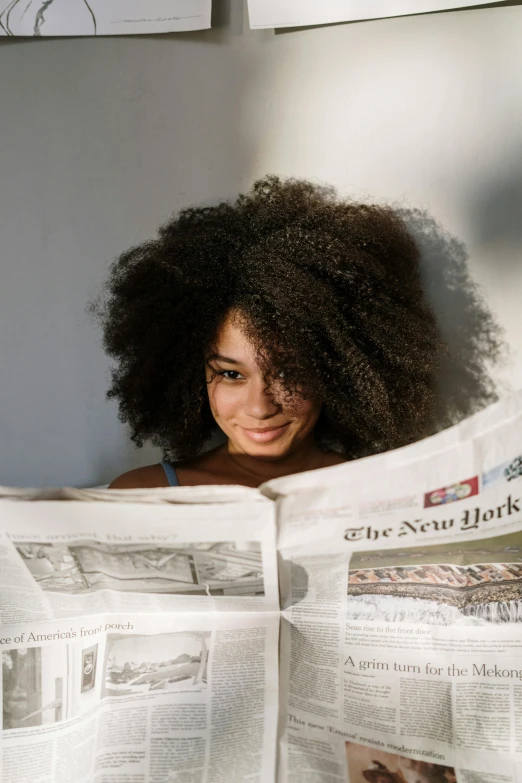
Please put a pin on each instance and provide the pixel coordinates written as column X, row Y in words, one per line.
column 39, row 18
column 300, row 13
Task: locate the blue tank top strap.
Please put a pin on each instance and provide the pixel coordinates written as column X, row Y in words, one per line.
column 170, row 473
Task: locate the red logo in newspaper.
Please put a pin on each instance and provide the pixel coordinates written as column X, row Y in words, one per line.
column 458, row 491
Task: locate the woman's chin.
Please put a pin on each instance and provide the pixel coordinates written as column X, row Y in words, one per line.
column 267, row 451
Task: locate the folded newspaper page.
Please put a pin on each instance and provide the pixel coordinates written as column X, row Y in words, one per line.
column 401, row 634
column 359, row 623
column 139, row 639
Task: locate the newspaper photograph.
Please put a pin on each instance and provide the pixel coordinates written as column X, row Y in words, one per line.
column 25, row 676
column 377, row 766
column 139, row 664
column 470, row 583
column 216, row 568
column 62, row 559
column 37, row 688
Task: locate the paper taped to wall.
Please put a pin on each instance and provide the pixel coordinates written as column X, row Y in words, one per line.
column 35, row 18
column 300, row 13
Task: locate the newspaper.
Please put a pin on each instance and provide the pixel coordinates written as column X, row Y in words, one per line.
column 362, row 623
column 37, row 18
column 298, row 13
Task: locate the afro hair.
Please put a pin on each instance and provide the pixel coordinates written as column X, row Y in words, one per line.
column 330, row 291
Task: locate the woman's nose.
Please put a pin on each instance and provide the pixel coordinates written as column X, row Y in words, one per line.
column 260, row 401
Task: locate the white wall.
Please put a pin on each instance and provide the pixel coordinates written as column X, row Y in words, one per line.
column 101, row 139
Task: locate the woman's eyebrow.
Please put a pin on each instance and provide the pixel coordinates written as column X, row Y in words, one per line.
column 221, row 358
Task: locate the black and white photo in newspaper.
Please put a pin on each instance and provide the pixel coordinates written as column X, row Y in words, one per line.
column 69, row 558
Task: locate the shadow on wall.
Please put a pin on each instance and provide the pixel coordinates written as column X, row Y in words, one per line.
column 466, row 323
column 495, row 217
column 497, row 211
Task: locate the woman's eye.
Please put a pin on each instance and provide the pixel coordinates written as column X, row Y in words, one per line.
column 231, row 375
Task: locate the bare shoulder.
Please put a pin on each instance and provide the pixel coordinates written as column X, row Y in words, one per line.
column 147, row 477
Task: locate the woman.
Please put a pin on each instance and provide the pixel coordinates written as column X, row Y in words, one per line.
column 295, row 323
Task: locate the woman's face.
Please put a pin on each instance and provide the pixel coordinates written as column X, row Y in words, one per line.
column 255, row 419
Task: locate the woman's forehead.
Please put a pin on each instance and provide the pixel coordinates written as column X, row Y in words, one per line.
column 231, row 341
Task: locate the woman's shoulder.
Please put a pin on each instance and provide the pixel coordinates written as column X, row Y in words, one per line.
column 212, row 467
column 201, row 470
column 147, row 477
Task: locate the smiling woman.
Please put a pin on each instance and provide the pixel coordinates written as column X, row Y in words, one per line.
column 294, row 322
column 269, row 432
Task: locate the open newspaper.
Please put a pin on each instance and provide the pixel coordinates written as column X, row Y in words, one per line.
column 357, row 623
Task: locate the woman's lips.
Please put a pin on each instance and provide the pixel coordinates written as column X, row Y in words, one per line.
column 265, row 435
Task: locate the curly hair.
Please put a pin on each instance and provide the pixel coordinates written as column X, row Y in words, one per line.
column 329, row 291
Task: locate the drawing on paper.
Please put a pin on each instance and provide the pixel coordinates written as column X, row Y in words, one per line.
column 45, row 17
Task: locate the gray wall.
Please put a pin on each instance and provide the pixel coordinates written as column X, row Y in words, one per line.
column 101, row 139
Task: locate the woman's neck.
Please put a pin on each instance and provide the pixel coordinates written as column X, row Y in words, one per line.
column 256, row 470
column 223, row 465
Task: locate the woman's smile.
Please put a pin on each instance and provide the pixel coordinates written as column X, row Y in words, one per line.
column 254, row 415
column 265, row 434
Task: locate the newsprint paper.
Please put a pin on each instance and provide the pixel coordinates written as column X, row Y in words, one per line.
column 357, row 623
